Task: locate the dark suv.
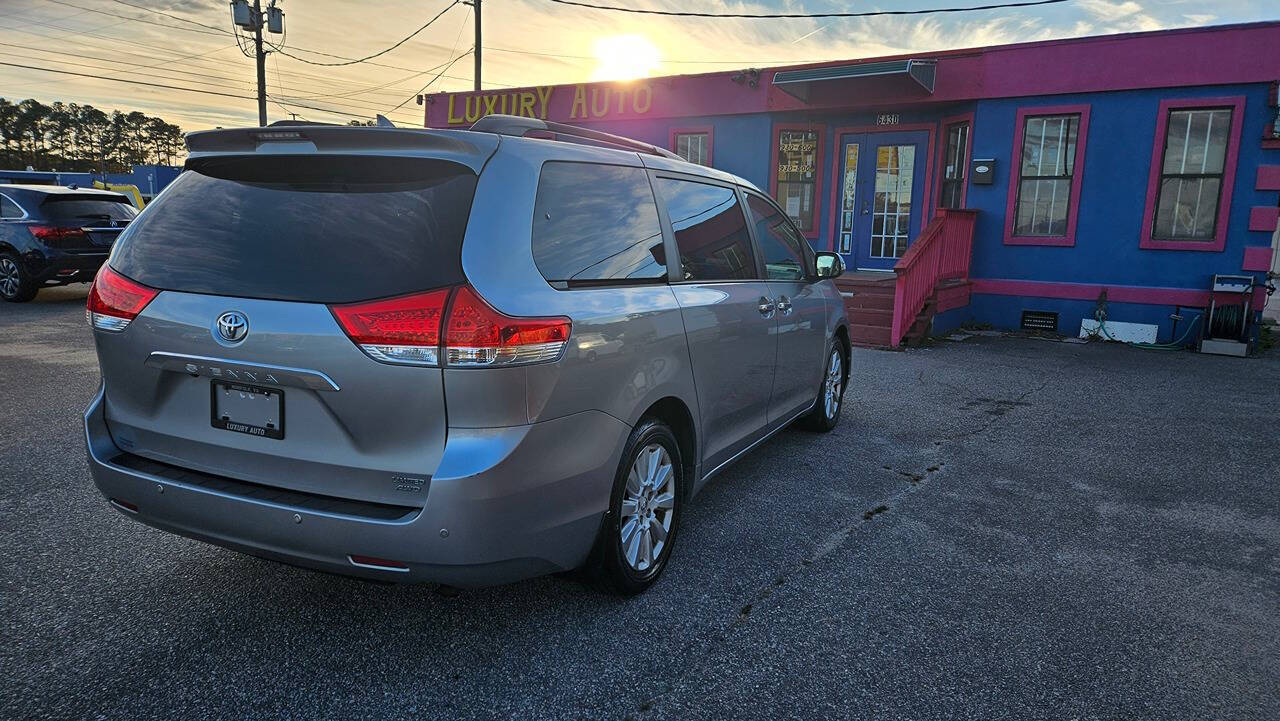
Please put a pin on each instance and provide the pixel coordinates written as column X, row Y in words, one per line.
column 51, row 235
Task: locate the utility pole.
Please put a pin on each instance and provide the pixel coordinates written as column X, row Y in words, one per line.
column 479, row 47
column 262, row 64
column 252, row 18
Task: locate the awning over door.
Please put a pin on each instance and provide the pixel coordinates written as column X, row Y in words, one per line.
column 911, row 73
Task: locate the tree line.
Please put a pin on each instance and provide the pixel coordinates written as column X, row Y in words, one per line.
column 72, row 137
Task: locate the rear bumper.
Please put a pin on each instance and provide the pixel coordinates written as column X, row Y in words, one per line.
column 53, row 265
column 505, row 504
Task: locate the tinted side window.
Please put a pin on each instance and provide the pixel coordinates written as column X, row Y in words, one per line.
column 596, row 223
column 780, row 244
column 710, row 230
column 8, row 208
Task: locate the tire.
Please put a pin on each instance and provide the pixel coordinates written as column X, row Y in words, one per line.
column 619, row 563
column 16, row 285
column 830, row 401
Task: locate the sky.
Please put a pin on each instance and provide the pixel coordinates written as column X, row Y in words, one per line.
column 527, row 42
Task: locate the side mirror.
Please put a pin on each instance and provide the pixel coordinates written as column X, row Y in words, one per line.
column 830, row 265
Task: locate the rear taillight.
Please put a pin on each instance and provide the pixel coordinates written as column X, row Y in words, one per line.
column 397, row 330
column 412, row 330
column 478, row 335
column 55, row 237
column 114, row 300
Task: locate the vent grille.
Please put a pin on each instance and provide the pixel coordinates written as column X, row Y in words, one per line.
column 1040, row 320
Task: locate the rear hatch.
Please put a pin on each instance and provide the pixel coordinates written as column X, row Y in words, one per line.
column 239, row 366
column 88, row 222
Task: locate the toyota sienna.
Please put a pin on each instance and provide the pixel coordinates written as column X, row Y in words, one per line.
column 460, row 356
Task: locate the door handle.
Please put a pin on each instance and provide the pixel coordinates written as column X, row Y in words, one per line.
column 766, row 307
column 784, row 305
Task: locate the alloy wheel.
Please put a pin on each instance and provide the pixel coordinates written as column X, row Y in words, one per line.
column 831, row 385
column 10, row 277
column 648, row 507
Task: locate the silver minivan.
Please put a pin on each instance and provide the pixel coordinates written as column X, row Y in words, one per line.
column 463, row 356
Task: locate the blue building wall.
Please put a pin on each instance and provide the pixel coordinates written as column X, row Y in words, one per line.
column 1116, row 172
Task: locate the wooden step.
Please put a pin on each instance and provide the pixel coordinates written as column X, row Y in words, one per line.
column 880, row 317
column 869, row 335
column 863, row 299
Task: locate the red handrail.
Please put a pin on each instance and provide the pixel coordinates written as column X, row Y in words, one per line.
column 942, row 251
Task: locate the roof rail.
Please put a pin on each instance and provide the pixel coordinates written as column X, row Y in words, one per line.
column 519, row 127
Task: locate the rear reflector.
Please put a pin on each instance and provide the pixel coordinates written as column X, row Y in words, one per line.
column 114, row 300
column 403, row 330
column 478, row 335
column 411, row 330
column 124, row 505
column 381, row 564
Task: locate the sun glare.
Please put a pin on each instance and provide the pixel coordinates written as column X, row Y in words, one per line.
column 624, row 57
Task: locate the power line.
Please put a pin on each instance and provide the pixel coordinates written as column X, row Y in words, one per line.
column 140, row 20
column 437, row 77
column 763, row 16
column 122, row 80
column 406, row 39
column 227, row 32
column 170, row 15
column 742, row 63
column 203, row 77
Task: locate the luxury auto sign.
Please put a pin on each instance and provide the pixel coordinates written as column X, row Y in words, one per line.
column 588, row 101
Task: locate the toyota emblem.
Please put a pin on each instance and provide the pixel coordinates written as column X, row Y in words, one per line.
column 233, row 326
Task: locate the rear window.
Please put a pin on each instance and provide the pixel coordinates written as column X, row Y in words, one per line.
column 85, row 210
column 314, row 229
column 596, row 224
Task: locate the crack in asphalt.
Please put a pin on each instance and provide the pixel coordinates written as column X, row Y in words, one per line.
column 997, row 409
column 832, row 543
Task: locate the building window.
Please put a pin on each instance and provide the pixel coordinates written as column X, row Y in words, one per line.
column 1044, row 183
column 799, row 156
column 954, row 166
column 693, row 147
column 1191, row 173
column 1193, row 164
column 1046, row 170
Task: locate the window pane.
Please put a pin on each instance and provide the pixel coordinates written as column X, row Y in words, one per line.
column 1188, row 208
column 596, row 223
column 317, row 229
column 693, row 147
column 797, row 158
column 1196, row 141
column 1049, row 146
column 73, row 209
column 780, row 244
column 1042, row 207
column 710, row 230
column 8, row 208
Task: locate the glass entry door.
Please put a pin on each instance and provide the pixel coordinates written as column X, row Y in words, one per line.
column 881, row 193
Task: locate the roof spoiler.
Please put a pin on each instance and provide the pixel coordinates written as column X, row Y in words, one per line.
column 323, row 139
column 520, row 126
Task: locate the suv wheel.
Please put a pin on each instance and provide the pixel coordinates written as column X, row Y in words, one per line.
column 15, row 283
column 644, row 512
column 826, row 410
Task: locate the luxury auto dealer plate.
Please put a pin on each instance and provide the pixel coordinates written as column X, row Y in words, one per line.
column 244, row 408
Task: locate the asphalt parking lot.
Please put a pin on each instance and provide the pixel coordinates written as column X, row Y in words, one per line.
column 999, row 529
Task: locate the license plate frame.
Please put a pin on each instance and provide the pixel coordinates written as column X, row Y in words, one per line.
column 268, row 428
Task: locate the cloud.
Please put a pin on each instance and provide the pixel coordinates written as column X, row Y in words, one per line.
column 1196, row 19
column 1110, row 11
